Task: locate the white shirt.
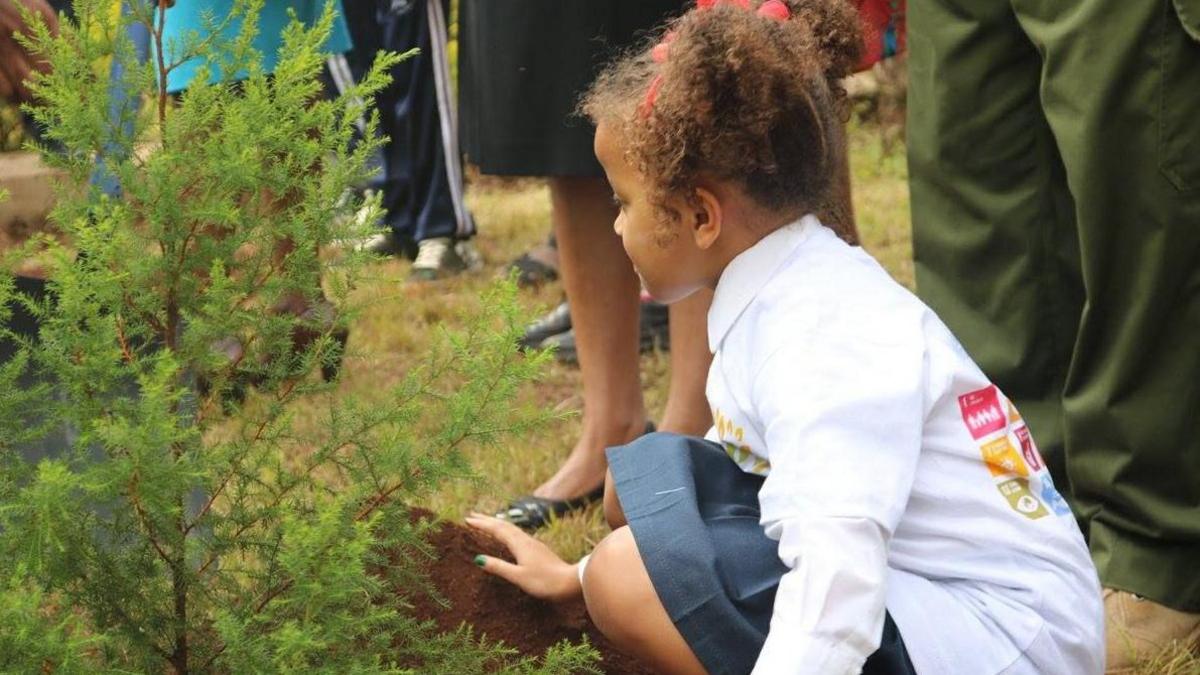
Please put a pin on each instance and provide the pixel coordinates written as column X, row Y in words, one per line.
column 897, row 475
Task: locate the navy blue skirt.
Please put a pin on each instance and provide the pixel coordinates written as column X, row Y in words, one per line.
column 694, row 515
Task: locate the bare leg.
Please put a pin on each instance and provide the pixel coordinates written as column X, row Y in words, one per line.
column 624, row 606
column 603, row 291
column 687, row 410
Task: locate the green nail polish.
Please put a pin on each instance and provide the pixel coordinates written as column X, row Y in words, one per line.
column 479, row 560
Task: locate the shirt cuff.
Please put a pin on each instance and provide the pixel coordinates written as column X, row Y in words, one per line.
column 787, row 655
column 582, row 565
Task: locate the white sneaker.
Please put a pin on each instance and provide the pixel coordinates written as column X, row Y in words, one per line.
column 440, row 257
column 381, row 243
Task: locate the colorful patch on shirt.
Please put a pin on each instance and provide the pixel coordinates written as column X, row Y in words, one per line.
column 1028, row 449
column 1002, row 458
column 1051, row 495
column 981, row 412
column 1014, row 417
column 745, row 458
column 732, row 439
column 1022, row 499
column 1055, row 500
column 726, row 429
column 737, row 453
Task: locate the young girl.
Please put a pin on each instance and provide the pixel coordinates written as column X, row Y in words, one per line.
column 867, row 500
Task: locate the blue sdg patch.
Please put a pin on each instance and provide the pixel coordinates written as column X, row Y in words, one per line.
column 1052, row 499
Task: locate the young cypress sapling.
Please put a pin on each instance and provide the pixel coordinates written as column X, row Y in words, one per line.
column 179, row 529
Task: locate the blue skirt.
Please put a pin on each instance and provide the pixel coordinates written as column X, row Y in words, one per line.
column 694, row 515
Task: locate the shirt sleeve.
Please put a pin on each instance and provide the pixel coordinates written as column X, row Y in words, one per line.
column 842, row 421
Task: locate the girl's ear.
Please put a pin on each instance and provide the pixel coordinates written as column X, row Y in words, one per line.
column 706, row 218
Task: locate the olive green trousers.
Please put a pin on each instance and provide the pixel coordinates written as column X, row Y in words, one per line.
column 1054, row 158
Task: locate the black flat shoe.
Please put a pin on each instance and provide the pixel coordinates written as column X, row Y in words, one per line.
column 532, row 272
column 557, row 321
column 533, row 513
column 654, row 333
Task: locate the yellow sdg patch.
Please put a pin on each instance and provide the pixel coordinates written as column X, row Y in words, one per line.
column 1002, row 458
column 732, row 438
column 726, row 428
column 1022, row 499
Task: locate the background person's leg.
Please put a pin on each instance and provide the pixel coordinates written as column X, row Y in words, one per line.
column 993, row 227
column 442, row 225
column 422, row 181
column 687, row 411
column 603, row 292
column 447, row 181
column 1122, row 94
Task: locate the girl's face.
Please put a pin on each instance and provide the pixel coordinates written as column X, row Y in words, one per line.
column 666, row 256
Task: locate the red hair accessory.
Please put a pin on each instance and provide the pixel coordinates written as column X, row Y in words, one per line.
column 775, row 10
column 651, row 96
column 662, row 49
column 709, row 4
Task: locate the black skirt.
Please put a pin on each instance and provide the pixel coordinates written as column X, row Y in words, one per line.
column 523, row 65
column 695, row 517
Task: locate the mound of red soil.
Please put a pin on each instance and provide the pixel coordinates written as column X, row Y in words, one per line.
column 500, row 610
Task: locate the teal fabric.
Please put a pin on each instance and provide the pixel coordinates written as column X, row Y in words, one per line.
column 185, row 17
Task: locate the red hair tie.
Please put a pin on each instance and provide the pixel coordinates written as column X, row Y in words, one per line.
column 651, row 96
column 709, row 4
column 775, row 10
column 662, row 49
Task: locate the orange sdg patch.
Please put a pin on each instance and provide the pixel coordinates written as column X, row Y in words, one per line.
column 1003, row 459
column 1013, row 416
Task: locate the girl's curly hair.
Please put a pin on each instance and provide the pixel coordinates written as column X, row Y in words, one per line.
column 741, row 98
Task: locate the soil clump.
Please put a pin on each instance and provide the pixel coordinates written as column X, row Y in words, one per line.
column 498, row 609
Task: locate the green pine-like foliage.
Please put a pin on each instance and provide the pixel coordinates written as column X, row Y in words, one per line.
column 177, row 529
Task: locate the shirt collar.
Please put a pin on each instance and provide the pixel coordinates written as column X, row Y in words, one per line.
column 746, row 275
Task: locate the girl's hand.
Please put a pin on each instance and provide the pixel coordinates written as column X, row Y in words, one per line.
column 538, row 570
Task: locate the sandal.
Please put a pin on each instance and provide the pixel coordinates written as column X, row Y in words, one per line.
column 312, row 323
column 532, row 272
column 654, row 333
column 319, row 319
column 233, row 393
column 532, row 513
column 556, row 322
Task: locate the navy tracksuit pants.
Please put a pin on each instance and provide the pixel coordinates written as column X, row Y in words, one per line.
column 421, row 178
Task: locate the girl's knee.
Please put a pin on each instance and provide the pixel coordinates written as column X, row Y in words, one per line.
column 623, row 604
column 615, row 581
column 613, row 514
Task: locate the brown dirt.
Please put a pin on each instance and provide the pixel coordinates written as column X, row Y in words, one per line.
column 498, row 609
